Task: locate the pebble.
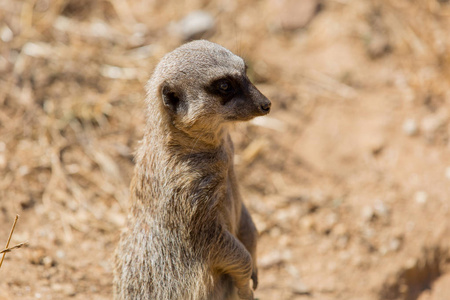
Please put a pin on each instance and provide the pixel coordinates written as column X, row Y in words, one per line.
column 410, row 127
column 331, row 220
column 299, row 288
column 65, row 288
column 395, row 244
column 195, row 25
column 431, row 123
column 295, row 14
column 378, row 45
column 326, row 223
column 36, row 256
column 367, row 213
column 378, row 210
column 293, row 271
column 275, row 232
column 308, row 223
column 342, row 242
column 48, row 262
column 368, row 233
column 60, row 254
column 421, row 197
column 381, row 209
column 447, row 173
column 6, row 34
column 274, row 258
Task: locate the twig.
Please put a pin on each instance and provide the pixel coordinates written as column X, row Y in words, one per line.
column 9, row 239
column 4, row 251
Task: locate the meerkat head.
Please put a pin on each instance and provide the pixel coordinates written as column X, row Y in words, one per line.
column 201, row 85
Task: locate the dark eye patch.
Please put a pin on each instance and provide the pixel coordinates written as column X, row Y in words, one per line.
column 225, row 87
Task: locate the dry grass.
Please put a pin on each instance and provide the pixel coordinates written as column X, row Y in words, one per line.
column 7, row 248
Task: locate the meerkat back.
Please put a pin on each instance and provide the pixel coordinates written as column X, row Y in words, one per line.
column 189, row 235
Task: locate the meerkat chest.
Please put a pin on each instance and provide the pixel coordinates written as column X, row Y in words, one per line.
column 230, row 208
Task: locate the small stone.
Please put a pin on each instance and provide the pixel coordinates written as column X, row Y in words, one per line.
column 299, row 288
column 342, row 242
column 6, row 35
column 294, row 14
column 48, row 262
column 65, row 288
column 308, row 223
column 410, row 127
column 327, row 223
column 367, row 213
column 60, row 254
column 36, row 256
column 410, row 264
column 447, row 173
column 368, row 233
column 421, row 197
column 431, row 123
column 23, row 170
column 378, row 45
column 293, row 271
column 394, row 244
column 275, row 232
column 331, row 220
column 195, row 25
column 274, row 258
column 381, row 209
column 3, row 161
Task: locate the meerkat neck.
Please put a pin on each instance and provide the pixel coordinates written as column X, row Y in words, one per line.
column 202, row 139
column 198, row 141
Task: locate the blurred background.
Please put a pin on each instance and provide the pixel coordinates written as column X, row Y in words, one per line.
column 348, row 178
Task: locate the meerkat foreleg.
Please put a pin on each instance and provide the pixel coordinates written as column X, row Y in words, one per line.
column 231, row 257
column 248, row 235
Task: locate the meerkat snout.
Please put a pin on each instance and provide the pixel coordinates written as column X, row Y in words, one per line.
column 260, row 102
column 265, row 107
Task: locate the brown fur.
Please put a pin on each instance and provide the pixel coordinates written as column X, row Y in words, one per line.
column 189, row 235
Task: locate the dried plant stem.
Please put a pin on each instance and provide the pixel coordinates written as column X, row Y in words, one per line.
column 4, row 251
column 9, row 239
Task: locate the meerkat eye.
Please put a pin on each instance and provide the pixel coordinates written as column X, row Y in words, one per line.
column 225, row 86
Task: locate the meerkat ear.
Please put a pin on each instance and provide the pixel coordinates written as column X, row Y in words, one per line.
column 171, row 98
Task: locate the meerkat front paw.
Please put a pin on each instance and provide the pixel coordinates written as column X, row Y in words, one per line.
column 245, row 293
column 255, row 278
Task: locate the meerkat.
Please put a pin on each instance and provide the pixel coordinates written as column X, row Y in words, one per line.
column 189, row 235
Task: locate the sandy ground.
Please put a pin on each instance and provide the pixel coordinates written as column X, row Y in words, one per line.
column 348, row 178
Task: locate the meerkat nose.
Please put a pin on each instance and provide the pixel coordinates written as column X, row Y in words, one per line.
column 265, row 107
